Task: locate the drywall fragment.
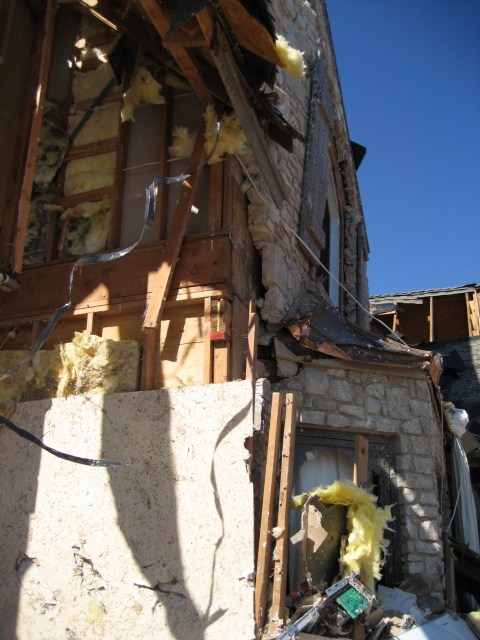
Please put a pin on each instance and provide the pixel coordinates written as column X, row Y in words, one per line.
column 88, row 174
column 103, row 124
column 366, row 547
column 144, row 89
column 91, row 364
column 88, row 85
column 87, row 227
column 292, row 59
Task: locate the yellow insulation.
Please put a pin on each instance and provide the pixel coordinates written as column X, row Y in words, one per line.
column 144, row 89
column 231, row 138
column 87, row 227
column 88, row 365
column 90, row 173
column 103, row 124
column 292, row 59
column 88, row 85
column 366, row 523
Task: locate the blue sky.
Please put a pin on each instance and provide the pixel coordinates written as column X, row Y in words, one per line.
column 410, row 76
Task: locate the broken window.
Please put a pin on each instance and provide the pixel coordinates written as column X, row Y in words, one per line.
column 321, row 457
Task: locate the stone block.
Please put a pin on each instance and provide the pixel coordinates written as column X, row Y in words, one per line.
column 336, row 420
column 358, row 411
column 421, row 408
column 397, row 403
column 316, row 382
column 429, row 530
column 411, row 426
column 373, row 405
column 340, row 390
column 312, row 417
column 376, row 389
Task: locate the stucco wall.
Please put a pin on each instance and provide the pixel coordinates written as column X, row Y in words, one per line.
column 161, row 547
column 356, row 399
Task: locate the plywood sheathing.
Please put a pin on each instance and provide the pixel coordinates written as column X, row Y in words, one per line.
column 131, row 552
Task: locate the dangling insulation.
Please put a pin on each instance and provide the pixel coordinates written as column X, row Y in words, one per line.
column 88, row 85
column 366, row 547
column 87, row 227
column 103, row 124
column 97, row 365
column 292, row 59
column 231, row 138
column 144, row 89
column 88, row 174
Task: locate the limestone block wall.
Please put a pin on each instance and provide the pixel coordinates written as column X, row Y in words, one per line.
column 161, row 547
column 395, row 403
column 284, row 263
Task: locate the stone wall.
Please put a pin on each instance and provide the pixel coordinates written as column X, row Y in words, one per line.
column 394, row 403
column 284, row 262
column 160, row 547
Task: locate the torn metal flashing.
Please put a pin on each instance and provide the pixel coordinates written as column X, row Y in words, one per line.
column 322, row 329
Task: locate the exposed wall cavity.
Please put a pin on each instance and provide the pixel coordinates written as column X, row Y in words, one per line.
column 88, row 365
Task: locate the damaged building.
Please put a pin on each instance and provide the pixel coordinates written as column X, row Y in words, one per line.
column 185, row 326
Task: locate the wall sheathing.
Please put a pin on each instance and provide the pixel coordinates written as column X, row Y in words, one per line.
column 396, row 404
column 161, row 547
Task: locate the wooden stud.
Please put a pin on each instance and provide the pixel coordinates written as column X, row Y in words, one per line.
column 184, row 59
column 29, row 173
column 93, row 325
column 207, row 327
column 277, row 610
column 148, row 359
column 221, row 361
column 232, row 79
column 252, row 339
column 175, row 238
column 266, row 523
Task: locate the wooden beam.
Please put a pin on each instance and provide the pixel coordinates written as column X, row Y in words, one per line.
column 250, row 32
column 175, row 237
column 148, row 359
column 183, row 58
column 232, row 79
column 262, row 577
column 221, row 361
column 207, row 328
column 252, row 338
column 31, row 160
column 283, row 520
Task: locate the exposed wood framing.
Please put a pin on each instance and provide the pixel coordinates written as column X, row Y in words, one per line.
column 231, row 77
column 93, row 325
column 473, row 314
column 283, row 520
column 161, row 211
column 27, row 183
column 265, row 540
column 207, row 329
column 215, row 197
column 252, row 338
column 147, row 381
column 175, row 237
column 250, row 32
column 221, row 361
column 184, row 58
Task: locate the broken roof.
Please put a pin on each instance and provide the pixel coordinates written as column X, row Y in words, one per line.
column 386, row 302
column 321, row 329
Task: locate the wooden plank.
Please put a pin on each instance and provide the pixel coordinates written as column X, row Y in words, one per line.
column 94, row 148
column 184, row 59
column 215, row 196
column 239, row 338
column 252, row 338
column 268, row 504
column 33, row 145
column 148, row 359
column 232, row 79
column 207, row 327
column 277, row 610
column 250, row 32
column 221, row 361
column 93, row 325
column 177, row 232
column 360, row 464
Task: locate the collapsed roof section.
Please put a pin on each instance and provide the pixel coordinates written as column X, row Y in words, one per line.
column 321, row 329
